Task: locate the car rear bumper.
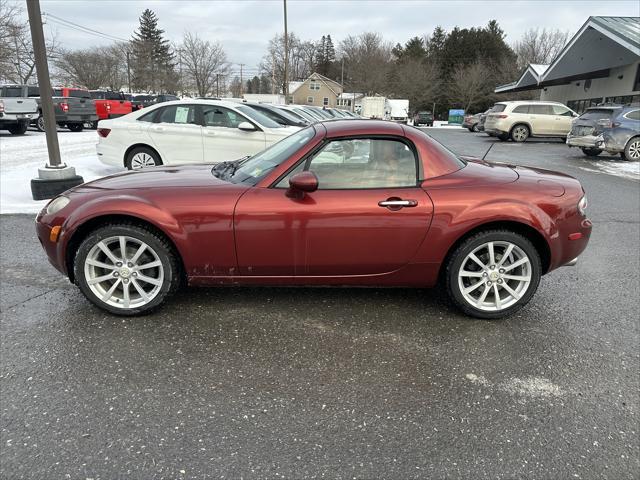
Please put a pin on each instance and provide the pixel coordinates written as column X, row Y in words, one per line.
column 109, row 154
column 494, row 131
column 583, row 141
column 82, row 118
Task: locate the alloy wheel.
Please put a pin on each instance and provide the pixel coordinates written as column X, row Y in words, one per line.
column 495, row 276
column 123, row 272
column 142, row 160
column 520, row 134
column 634, row 150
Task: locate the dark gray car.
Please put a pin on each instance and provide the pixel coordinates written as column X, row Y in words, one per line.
column 610, row 128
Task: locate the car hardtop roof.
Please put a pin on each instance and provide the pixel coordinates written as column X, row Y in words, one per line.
column 521, row 102
column 348, row 126
column 203, row 101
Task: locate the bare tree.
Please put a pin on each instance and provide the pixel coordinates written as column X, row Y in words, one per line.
column 235, row 87
column 201, row 60
column 539, row 46
column 416, row 80
column 8, row 15
column 471, row 84
column 301, row 59
column 93, row 68
column 367, row 59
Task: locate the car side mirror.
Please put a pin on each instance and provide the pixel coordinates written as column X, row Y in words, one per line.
column 246, row 126
column 574, row 114
column 301, row 183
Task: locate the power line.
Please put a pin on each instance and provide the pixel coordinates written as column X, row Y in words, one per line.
column 82, row 28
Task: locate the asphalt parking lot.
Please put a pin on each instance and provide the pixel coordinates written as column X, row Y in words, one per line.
column 332, row 383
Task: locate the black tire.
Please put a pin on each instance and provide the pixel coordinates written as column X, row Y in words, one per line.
column 152, row 153
column 632, row 150
column 591, row 152
column 172, row 274
column 75, row 127
column 19, row 129
column 466, row 247
column 40, row 123
column 94, row 125
column 519, row 133
column 503, row 137
column 470, row 129
column 475, row 128
column 42, row 189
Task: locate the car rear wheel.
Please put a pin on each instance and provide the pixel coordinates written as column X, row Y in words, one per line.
column 40, row 123
column 142, row 157
column 75, row 127
column 493, row 274
column 475, row 128
column 591, row 152
column 94, row 125
column 632, row 150
column 126, row 269
column 520, row 133
column 19, row 129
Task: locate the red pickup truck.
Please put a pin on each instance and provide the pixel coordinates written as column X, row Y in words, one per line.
column 110, row 104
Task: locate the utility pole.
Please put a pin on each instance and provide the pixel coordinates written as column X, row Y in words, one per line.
column 285, row 87
column 241, row 84
column 217, row 85
column 55, row 177
column 273, row 74
column 128, row 72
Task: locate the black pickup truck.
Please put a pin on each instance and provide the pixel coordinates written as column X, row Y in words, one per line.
column 72, row 111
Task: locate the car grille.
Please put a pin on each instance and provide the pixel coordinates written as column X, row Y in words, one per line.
column 581, row 131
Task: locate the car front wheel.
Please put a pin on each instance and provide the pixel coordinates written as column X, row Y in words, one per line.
column 126, row 269
column 493, row 274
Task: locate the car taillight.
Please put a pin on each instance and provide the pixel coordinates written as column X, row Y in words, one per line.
column 502, row 116
column 104, row 132
column 64, row 107
column 1, row 106
column 108, row 107
column 604, row 123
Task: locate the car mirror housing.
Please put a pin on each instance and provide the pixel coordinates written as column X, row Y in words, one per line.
column 301, row 183
column 246, row 126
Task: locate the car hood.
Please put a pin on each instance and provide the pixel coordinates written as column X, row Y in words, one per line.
column 185, row 176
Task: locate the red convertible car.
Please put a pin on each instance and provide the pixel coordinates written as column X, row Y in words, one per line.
column 343, row 202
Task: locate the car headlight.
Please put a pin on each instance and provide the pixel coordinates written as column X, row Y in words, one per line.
column 57, row 204
column 582, row 206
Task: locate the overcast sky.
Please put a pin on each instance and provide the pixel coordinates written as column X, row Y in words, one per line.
column 244, row 27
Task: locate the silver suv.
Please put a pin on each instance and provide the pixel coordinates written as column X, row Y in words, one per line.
column 520, row 120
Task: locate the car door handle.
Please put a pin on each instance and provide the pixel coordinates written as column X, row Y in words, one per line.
column 157, row 129
column 209, row 132
column 396, row 204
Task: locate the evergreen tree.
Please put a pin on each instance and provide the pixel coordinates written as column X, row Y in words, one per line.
column 265, row 84
column 255, row 84
column 320, row 55
column 249, row 87
column 152, row 61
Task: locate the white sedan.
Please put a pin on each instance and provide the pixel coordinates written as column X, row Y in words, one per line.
column 186, row 131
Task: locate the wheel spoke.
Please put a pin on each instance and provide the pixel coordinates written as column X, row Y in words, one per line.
column 473, row 257
column 157, row 263
column 109, row 292
column 123, row 248
column 126, row 300
column 516, row 264
column 511, row 291
column 152, row 281
column 506, row 254
column 99, row 264
column 140, row 290
column 492, row 254
column 466, row 273
column 103, row 278
column 484, row 295
column 520, row 278
column 473, row 287
column 496, row 293
column 141, row 249
column 107, row 252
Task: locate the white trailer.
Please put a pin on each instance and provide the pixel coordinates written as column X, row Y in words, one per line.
column 398, row 110
column 374, row 107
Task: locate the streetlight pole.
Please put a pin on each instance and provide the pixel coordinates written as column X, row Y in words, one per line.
column 285, row 87
column 55, row 177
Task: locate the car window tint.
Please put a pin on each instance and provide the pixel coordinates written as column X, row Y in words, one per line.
column 364, row 163
column 498, row 107
column 560, row 110
column 97, row 95
column 521, row 109
column 180, row 114
column 33, row 91
column 11, row 92
column 114, row 96
column 79, row 94
column 148, row 117
column 215, row 116
column 597, row 114
column 540, row 109
column 633, row 115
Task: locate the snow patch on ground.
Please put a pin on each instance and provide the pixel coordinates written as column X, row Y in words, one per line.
column 530, row 387
column 619, row 168
column 21, row 156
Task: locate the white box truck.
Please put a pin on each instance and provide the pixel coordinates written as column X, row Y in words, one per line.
column 374, row 107
column 398, row 110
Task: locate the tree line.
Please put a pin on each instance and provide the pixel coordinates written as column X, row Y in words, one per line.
column 455, row 69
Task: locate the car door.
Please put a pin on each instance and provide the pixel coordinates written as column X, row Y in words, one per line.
column 563, row 117
column 541, row 119
column 368, row 216
column 223, row 140
column 177, row 134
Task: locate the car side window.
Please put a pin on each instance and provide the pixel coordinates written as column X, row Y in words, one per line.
column 540, row 109
column 181, row 114
column 559, row 110
column 521, row 109
column 221, row 117
column 633, row 115
column 360, row 164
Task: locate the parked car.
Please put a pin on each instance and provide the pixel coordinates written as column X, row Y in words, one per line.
column 481, row 119
column 283, row 117
column 145, row 100
column 300, row 112
column 611, row 128
column 71, row 111
column 186, row 131
column 110, row 104
column 423, row 118
column 83, row 111
column 136, row 104
column 16, row 111
column 165, row 97
column 471, row 122
column 487, row 231
column 519, row 120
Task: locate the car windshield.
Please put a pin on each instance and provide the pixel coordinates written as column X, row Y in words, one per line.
column 597, row 114
column 259, row 117
column 257, row 167
column 498, row 107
